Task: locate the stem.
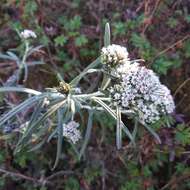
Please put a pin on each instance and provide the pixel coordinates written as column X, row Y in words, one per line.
column 77, row 79
column 34, row 180
column 23, row 65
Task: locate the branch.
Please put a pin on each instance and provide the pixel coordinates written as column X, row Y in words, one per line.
column 28, row 178
column 176, row 180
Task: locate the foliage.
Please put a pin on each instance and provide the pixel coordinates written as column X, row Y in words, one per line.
column 150, row 166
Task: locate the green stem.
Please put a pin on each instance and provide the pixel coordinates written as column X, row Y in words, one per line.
column 23, row 70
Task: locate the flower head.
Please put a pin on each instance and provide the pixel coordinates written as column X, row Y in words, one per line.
column 71, row 132
column 113, row 55
column 121, row 69
column 78, row 90
column 25, row 34
column 141, row 91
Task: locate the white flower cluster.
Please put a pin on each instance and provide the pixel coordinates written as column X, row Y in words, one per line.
column 28, row 34
column 78, row 90
column 71, row 132
column 120, row 70
column 113, row 55
column 139, row 89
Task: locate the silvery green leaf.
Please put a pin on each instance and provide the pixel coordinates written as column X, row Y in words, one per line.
column 4, row 56
column 107, row 40
column 127, row 112
column 37, row 146
column 49, row 112
column 106, row 81
column 55, row 131
column 66, row 116
column 38, row 122
column 113, row 114
column 73, row 108
column 36, row 113
column 52, row 135
column 75, row 149
column 87, row 134
column 34, row 50
column 26, row 104
column 135, row 128
column 25, row 72
column 51, row 90
column 34, row 63
column 60, row 136
column 107, row 35
column 60, row 77
column 19, row 89
column 88, row 96
column 12, row 80
column 13, row 55
column 94, row 70
column 76, row 80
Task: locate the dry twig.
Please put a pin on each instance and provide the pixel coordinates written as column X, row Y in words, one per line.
column 41, row 181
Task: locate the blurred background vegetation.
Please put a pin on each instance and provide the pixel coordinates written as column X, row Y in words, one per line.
column 72, row 31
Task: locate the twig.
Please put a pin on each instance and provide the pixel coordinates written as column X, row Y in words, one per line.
column 60, row 173
column 151, row 16
column 186, row 109
column 170, row 47
column 181, row 86
column 139, row 7
column 175, row 180
column 34, row 180
column 182, row 99
column 103, row 175
column 173, row 45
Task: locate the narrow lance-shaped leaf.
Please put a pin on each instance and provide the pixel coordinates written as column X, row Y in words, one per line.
column 118, row 129
column 60, row 136
column 113, row 114
column 34, row 117
column 107, row 35
column 76, row 80
column 87, row 135
column 67, row 116
column 19, row 89
column 134, row 133
column 135, row 128
column 25, row 72
column 34, row 63
column 107, row 41
column 36, row 112
column 52, row 135
column 34, row 49
column 54, row 132
column 52, row 110
column 13, row 55
column 73, row 108
column 27, row 103
column 4, row 56
column 106, row 81
column 37, row 146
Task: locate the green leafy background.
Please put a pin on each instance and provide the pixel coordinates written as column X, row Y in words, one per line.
column 72, row 35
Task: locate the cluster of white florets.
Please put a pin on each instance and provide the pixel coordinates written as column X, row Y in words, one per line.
column 71, row 131
column 120, row 70
column 113, row 55
column 139, row 89
column 25, row 34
